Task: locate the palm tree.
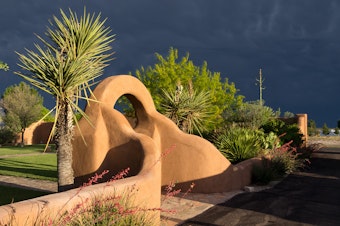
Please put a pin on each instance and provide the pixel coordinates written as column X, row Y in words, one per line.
column 75, row 55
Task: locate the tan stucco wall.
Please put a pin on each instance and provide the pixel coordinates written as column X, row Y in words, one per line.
column 155, row 150
column 36, row 133
column 113, row 144
column 31, row 212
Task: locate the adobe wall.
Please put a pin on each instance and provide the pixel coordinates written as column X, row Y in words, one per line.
column 33, row 211
column 155, row 149
column 112, row 143
column 36, row 133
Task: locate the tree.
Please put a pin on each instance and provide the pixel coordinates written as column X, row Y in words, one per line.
column 76, row 53
column 312, row 130
column 288, row 114
column 325, row 129
column 250, row 115
column 23, row 106
column 170, row 71
column 336, row 131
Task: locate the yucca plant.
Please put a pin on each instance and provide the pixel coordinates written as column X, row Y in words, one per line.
column 188, row 108
column 3, row 66
column 73, row 56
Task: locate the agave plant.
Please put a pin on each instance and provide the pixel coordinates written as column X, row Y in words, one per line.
column 74, row 55
column 239, row 144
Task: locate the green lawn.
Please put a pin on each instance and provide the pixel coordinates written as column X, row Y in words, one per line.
column 41, row 166
column 30, row 162
column 12, row 194
column 14, row 150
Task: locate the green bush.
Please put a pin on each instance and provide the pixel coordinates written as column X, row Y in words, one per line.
column 249, row 115
column 264, row 173
column 285, row 131
column 6, row 136
column 239, row 144
column 276, row 163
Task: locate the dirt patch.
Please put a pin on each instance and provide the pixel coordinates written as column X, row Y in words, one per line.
column 325, row 141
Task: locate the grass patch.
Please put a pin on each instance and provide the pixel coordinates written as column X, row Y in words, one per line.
column 41, row 166
column 15, row 150
column 13, row 194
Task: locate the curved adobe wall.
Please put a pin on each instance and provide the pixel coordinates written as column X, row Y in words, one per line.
column 36, row 133
column 112, row 144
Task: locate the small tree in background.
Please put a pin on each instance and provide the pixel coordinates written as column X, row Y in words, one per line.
column 336, row 131
column 325, row 129
column 76, row 54
column 288, row 114
column 23, row 106
column 312, row 130
column 249, row 115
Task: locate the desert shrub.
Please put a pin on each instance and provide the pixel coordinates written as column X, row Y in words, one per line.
column 286, row 132
column 188, row 108
column 113, row 210
column 278, row 162
column 263, row 174
column 238, row 144
column 286, row 159
column 249, row 115
column 6, row 136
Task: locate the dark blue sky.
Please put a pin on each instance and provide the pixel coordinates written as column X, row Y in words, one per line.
column 296, row 43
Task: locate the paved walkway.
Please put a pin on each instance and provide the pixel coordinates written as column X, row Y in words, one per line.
column 31, row 184
column 311, row 197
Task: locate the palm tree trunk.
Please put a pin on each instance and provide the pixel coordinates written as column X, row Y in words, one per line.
column 64, row 134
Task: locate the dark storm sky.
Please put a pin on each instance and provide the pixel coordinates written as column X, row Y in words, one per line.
column 296, row 43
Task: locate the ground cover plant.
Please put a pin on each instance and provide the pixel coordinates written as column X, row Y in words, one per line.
column 282, row 160
column 239, row 144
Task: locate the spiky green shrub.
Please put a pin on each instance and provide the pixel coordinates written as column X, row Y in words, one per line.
column 190, row 109
column 239, row 144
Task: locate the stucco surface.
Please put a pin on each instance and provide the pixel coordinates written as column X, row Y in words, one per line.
column 155, row 150
column 113, row 144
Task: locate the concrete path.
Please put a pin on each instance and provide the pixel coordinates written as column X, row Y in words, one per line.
column 311, row 197
column 30, row 184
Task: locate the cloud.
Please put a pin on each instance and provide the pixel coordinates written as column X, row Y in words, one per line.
column 294, row 42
